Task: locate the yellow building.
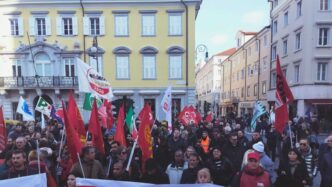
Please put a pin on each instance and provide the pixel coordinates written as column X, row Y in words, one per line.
column 140, row 46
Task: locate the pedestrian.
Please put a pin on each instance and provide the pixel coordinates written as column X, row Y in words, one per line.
column 189, row 175
column 153, row 173
column 271, row 142
column 310, row 158
column 176, row 168
column 18, row 168
column 326, row 164
column 71, row 180
column 204, row 176
column 234, row 152
column 265, row 161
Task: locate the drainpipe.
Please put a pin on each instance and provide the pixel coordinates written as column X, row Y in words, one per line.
column 245, row 74
column 230, row 80
column 223, row 84
column 83, row 14
column 259, row 66
column 187, row 44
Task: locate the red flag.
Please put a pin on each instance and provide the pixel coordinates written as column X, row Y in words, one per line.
column 3, row 133
column 144, row 133
column 95, row 129
column 102, row 111
column 198, row 115
column 187, row 115
column 110, row 118
column 209, row 117
column 73, row 141
column 283, row 97
column 142, row 113
column 120, row 132
column 75, row 117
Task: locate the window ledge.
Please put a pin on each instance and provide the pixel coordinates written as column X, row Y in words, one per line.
column 121, row 36
column 175, row 35
column 322, row 83
column 298, row 50
column 324, row 46
column 284, row 56
column 148, row 36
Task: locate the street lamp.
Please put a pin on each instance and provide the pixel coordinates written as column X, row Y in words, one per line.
column 94, row 51
column 201, row 48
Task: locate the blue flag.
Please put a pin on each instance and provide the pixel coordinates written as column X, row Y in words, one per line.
column 55, row 116
column 259, row 110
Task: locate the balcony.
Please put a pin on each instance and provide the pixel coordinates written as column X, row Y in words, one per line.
column 40, row 82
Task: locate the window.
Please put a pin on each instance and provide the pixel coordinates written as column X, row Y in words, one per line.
column 284, row 72
column 255, row 89
column 17, row 68
column 298, row 41
column 273, row 80
column 242, row 73
column 321, row 71
column 299, row 8
column 238, row 75
column 94, row 25
column 264, row 63
column 248, row 91
column 265, row 41
column 149, row 67
column 275, row 26
column 43, row 65
column 66, row 25
column 249, row 70
column 175, row 66
column 41, row 26
column 257, row 45
column 324, row 35
column 122, row 67
column 175, row 24
column 325, row 5
column 69, row 67
column 285, row 19
column 148, row 25
column 242, row 92
column 284, row 47
column 296, row 73
column 14, row 29
column 121, row 25
column 238, row 42
column 274, row 52
column 263, row 87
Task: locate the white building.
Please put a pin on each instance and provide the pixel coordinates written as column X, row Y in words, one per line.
column 302, row 37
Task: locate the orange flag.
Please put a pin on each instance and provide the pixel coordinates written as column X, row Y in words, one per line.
column 73, row 141
column 3, row 134
column 119, row 132
column 75, row 118
column 144, row 133
column 95, row 129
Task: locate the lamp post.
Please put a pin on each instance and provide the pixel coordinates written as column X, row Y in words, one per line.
column 201, row 48
column 94, row 51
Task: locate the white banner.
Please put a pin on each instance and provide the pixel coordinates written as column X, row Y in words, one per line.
column 81, row 182
column 166, row 105
column 38, row 180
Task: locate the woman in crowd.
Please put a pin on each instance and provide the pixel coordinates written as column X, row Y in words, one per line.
column 204, row 176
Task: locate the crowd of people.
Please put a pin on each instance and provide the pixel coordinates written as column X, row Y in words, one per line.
column 217, row 152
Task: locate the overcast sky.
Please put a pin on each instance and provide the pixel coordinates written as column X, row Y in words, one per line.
column 219, row 20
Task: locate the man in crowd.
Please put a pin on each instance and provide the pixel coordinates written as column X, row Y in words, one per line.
column 19, row 166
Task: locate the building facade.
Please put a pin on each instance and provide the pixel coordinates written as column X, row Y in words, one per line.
column 141, row 47
column 208, row 82
column 302, row 37
column 245, row 73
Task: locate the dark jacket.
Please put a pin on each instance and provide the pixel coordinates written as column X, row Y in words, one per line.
column 326, row 169
column 234, row 154
column 286, row 178
column 221, row 171
column 189, row 176
column 157, row 178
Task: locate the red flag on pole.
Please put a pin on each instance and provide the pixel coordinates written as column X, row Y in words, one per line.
column 283, row 97
column 3, row 133
column 144, row 133
column 188, row 115
column 95, row 129
column 209, row 117
column 75, row 118
column 120, row 132
column 110, row 118
column 73, row 141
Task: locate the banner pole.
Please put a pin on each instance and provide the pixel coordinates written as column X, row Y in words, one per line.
column 290, row 135
column 79, row 159
column 131, row 155
column 38, row 156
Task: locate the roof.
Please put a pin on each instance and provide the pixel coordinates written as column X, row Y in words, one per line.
column 248, row 33
column 227, row 52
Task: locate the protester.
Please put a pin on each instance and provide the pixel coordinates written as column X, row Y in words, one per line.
column 204, row 176
column 18, row 168
column 310, row 158
column 189, row 175
column 265, row 161
column 153, row 173
column 176, row 168
column 71, row 180
column 326, row 164
column 234, row 152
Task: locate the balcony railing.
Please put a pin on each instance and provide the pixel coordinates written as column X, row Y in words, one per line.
column 38, row 82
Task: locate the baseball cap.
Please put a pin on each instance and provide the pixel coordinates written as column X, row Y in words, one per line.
column 253, row 155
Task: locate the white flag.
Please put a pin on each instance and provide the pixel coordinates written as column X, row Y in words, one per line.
column 166, row 105
column 30, row 181
column 90, row 81
column 23, row 109
column 43, row 107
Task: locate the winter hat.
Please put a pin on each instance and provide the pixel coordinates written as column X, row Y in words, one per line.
column 253, row 155
column 328, row 138
column 259, row 147
column 227, row 129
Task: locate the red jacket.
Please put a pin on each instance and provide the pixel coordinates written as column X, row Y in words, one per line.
column 252, row 178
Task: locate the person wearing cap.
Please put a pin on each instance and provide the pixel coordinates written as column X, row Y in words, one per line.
column 326, row 164
column 265, row 161
column 252, row 175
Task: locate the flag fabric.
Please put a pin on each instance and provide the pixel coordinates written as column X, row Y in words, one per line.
column 166, row 105
column 75, row 117
column 283, row 97
column 119, row 132
column 95, row 129
column 144, row 133
column 42, row 122
column 103, row 114
column 73, row 140
column 110, row 118
column 209, row 117
column 198, row 115
column 88, row 101
column 3, row 132
column 23, row 108
column 259, row 110
column 90, row 81
column 141, row 114
column 43, row 107
column 55, row 114
column 129, row 119
column 188, row 115
column 30, row 181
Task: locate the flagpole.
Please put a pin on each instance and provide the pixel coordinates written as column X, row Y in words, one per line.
column 79, row 160
column 109, row 166
column 131, row 154
column 38, row 157
column 290, row 135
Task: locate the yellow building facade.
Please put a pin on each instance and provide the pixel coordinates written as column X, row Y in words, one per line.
column 140, row 46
